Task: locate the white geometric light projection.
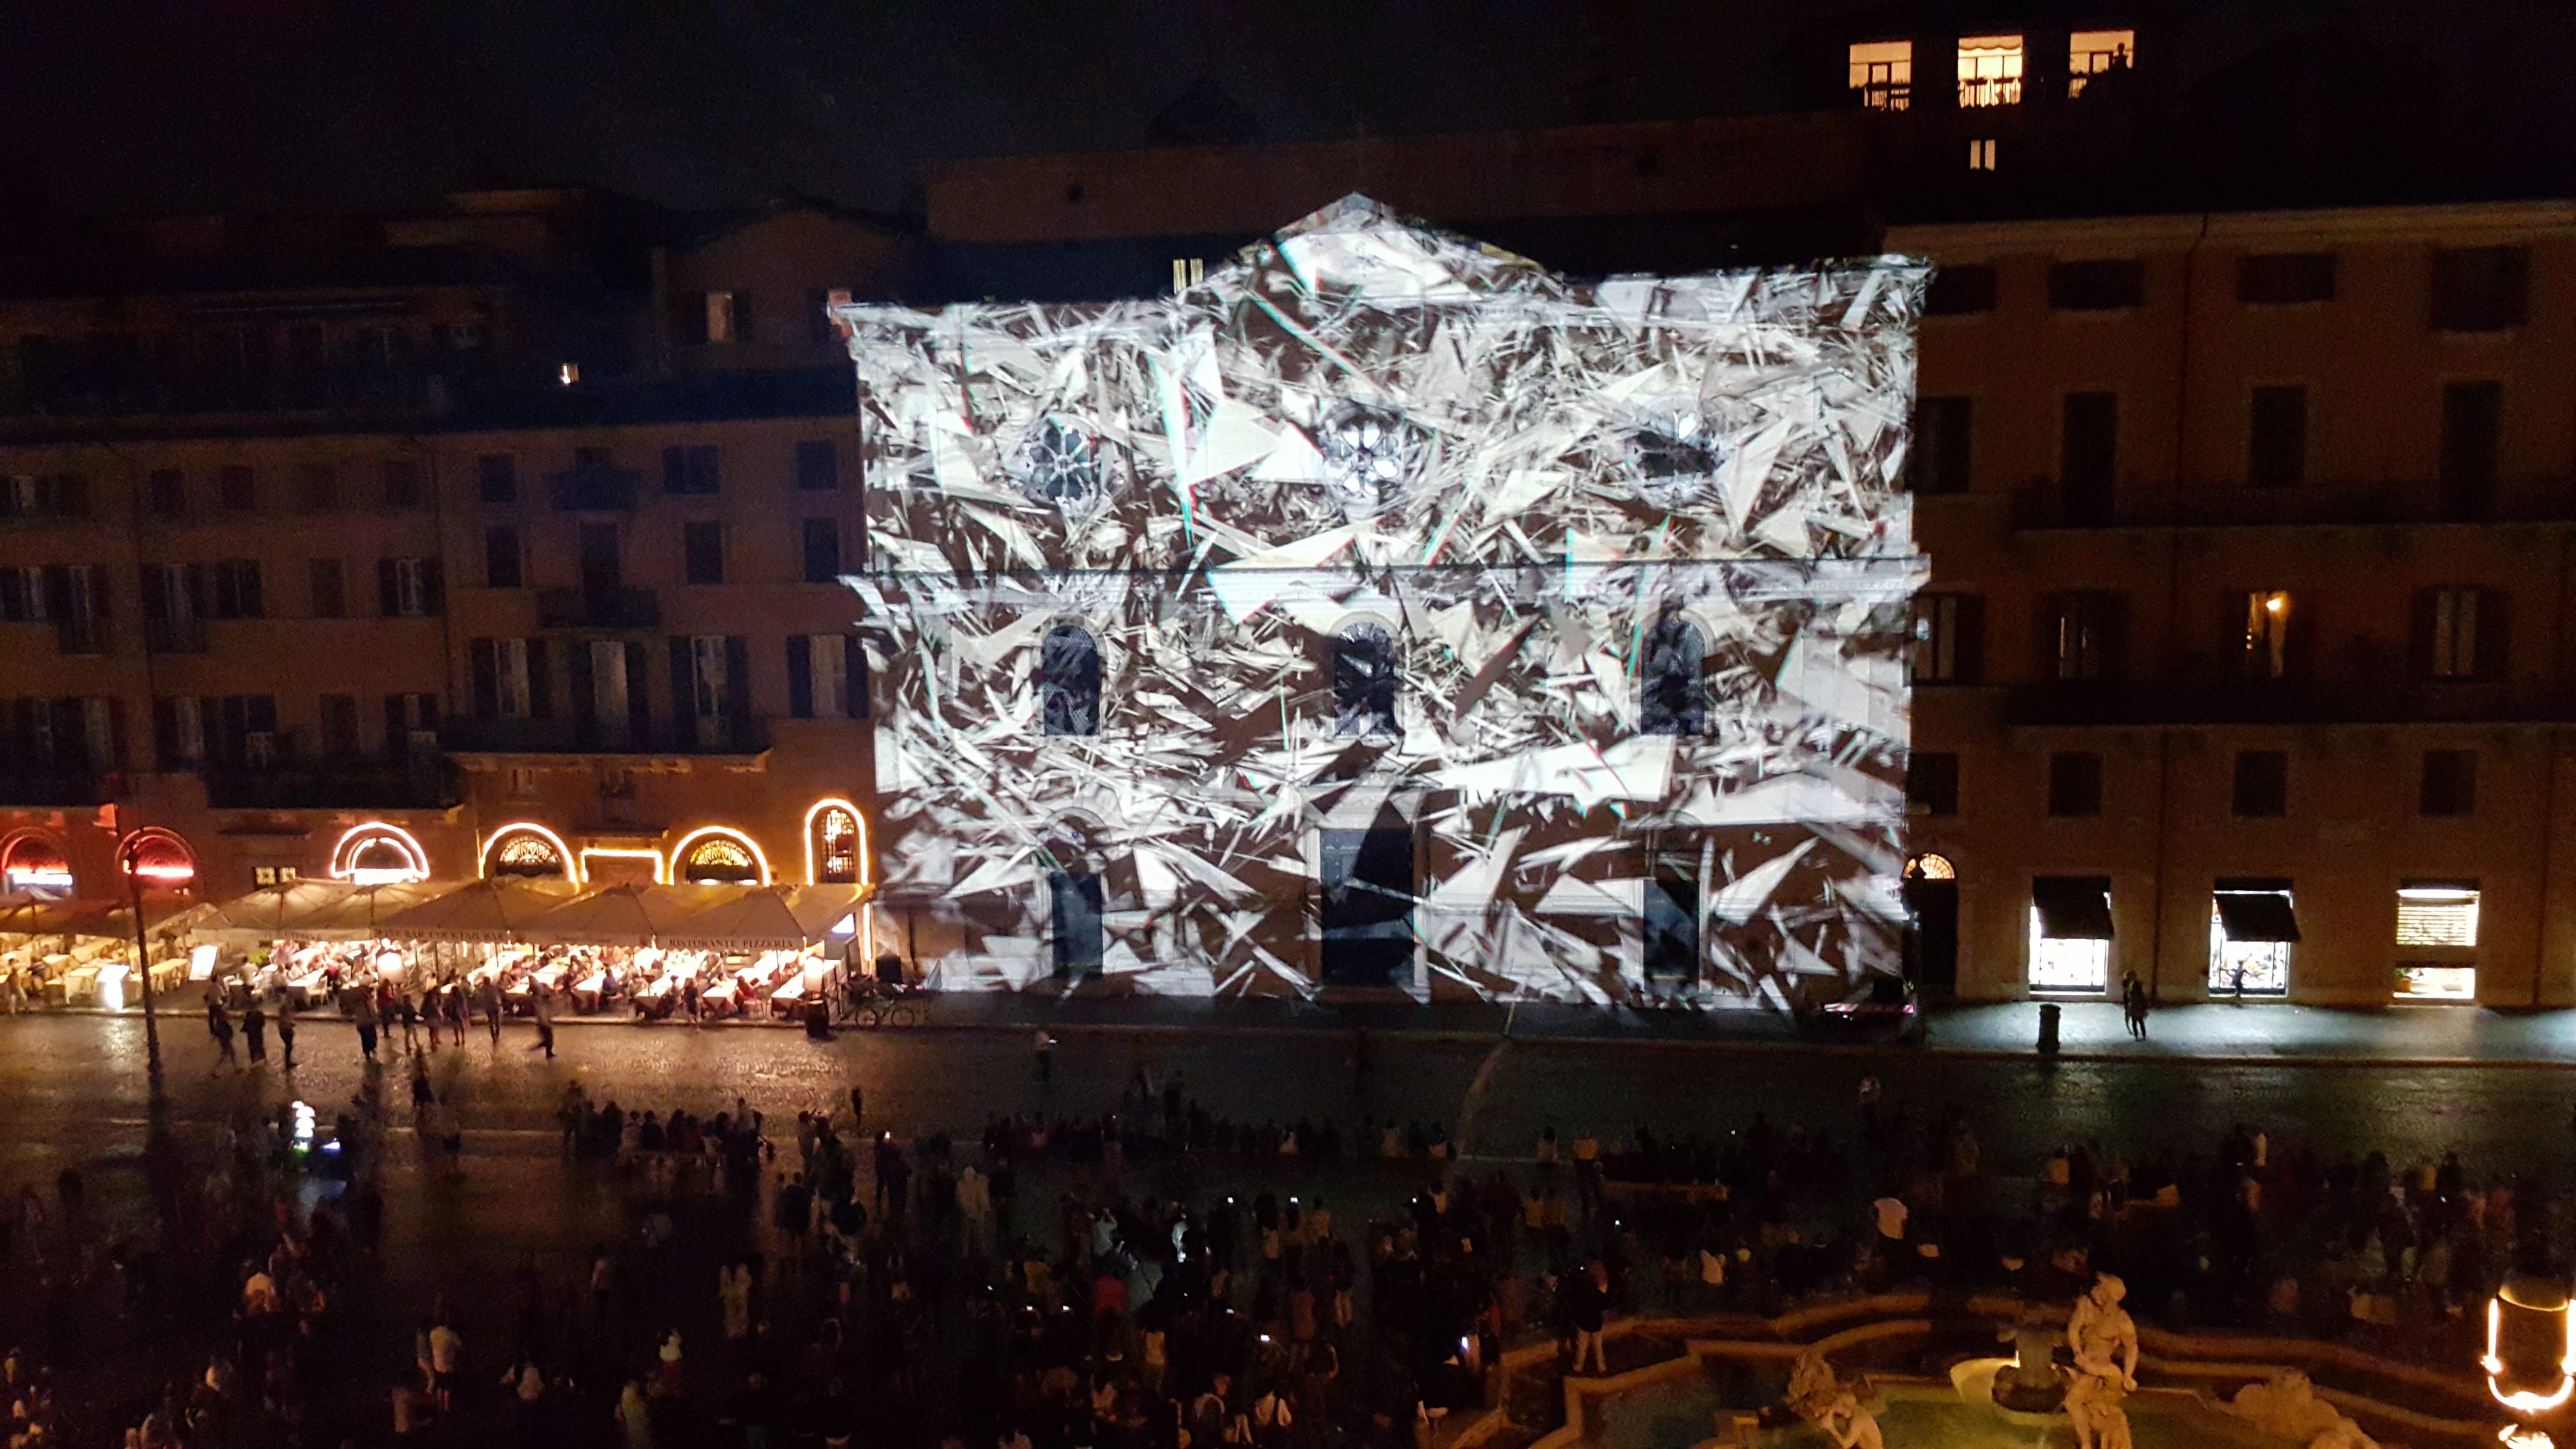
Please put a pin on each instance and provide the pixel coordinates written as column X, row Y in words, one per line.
column 1388, row 612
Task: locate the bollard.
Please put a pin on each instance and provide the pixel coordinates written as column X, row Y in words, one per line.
column 2048, row 1012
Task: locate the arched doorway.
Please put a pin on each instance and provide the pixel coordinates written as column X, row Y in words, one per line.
column 35, row 865
column 836, row 844
column 379, row 854
column 1932, row 941
column 528, row 851
column 716, row 856
column 159, row 859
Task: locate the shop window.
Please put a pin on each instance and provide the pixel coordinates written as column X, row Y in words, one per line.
column 2450, row 785
column 2265, row 652
column 1364, row 680
column 1989, row 71
column 2096, row 286
column 694, row 470
column 158, row 860
column 1367, row 907
column 1676, row 687
column 1069, row 682
column 1882, row 74
column 1932, row 783
column 2472, row 439
column 2070, row 934
column 2074, row 784
column 2093, row 53
column 2084, row 635
column 496, row 478
column 2262, row 784
column 2460, row 633
column 2088, row 458
column 1672, row 946
column 2276, row 437
column 379, row 854
column 1960, row 291
column 702, row 552
column 33, row 865
column 1949, row 638
column 2251, row 930
column 1942, row 430
column 2283, row 279
column 2437, row 939
column 1075, row 927
column 2480, row 289
column 832, row 835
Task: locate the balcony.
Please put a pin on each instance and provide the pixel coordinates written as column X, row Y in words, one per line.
column 464, row 736
column 596, row 489
column 55, row 791
column 2282, row 702
column 611, row 609
column 429, row 786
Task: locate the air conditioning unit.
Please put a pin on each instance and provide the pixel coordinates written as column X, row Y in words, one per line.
column 259, row 748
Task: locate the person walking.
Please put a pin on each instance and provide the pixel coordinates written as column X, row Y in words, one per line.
column 454, row 997
column 255, row 1031
column 544, row 999
column 491, row 992
column 407, row 1009
column 1590, row 1295
column 363, row 1012
column 219, row 1025
column 286, row 1030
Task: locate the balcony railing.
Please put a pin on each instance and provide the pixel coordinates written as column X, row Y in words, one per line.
column 596, row 489
column 427, row 786
column 592, row 737
column 625, row 608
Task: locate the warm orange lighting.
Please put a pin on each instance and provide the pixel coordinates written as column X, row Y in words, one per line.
column 158, row 857
column 2524, row 1401
column 680, row 852
column 349, row 858
column 499, row 840
column 866, row 866
column 609, row 852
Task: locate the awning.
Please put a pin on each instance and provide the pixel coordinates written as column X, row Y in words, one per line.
column 361, row 914
column 627, row 915
column 488, row 910
column 770, row 918
column 106, row 919
column 2257, row 916
column 2073, row 907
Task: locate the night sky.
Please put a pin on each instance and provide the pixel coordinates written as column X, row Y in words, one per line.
column 199, row 105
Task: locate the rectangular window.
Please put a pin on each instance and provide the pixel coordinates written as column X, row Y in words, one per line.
column 2262, row 786
column 330, row 590
column 1932, row 783
column 317, row 487
column 2070, row 933
column 612, row 707
column 2091, row 53
column 2251, row 930
column 178, row 732
column 821, row 672
column 2088, row 458
column 1367, row 909
column 1949, row 638
column 694, row 469
column 2285, row 279
column 1882, row 73
column 175, row 605
column 2438, row 913
column 1959, row 291
column 2074, row 784
column 338, row 717
column 2472, row 437
column 237, row 593
column 2460, row 633
column 2096, row 286
column 496, row 478
column 1989, row 71
column 510, row 678
column 405, row 484
column 1672, row 947
column 501, row 558
column 720, row 317
column 818, row 466
column 74, row 598
column 2450, row 785
column 1942, row 429
column 702, row 552
column 1076, row 920
column 165, row 493
column 407, row 588
column 2266, row 650
column 1981, row 153
column 411, row 728
column 2083, row 640
column 2276, row 442
column 822, row 550
column 2480, row 289
column 240, row 487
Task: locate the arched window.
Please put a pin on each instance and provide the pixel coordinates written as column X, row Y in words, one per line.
column 527, row 850
column 1931, row 867
column 34, row 865
column 1069, row 682
column 715, row 856
column 1058, row 462
column 377, row 853
column 832, row 844
column 1363, row 682
column 1371, row 456
column 159, row 859
column 1674, row 685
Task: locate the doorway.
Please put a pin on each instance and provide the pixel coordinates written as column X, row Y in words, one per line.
column 1367, row 907
column 1932, row 938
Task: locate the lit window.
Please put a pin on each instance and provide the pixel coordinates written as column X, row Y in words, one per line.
column 2251, row 930
column 2097, row 52
column 2267, row 635
column 1883, row 72
column 2070, row 933
column 719, row 861
column 1989, row 71
column 720, row 317
column 2437, row 914
column 568, row 374
column 835, row 845
column 2450, row 623
column 1981, row 155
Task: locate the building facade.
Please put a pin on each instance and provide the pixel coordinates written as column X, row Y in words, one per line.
column 1382, row 612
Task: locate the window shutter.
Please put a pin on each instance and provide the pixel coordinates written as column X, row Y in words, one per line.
column 854, row 675
column 2419, row 638
column 388, row 589
column 58, row 592
column 581, row 687
column 800, row 676
column 116, row 734
column 2495, row 620
column 541, row 682
column 252, row 605
column 2115, row 637
column 260, row 712
column 684, row 689
column 193, row 577
column 487, row 680
column 738, row 681
column 639, row 694
column 1971, row 653
column 397, row 727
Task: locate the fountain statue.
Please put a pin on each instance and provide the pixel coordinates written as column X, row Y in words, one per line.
column 1819, row 1397
column 2104, row 1341
column 2029, row 1384
column 2287, row 1406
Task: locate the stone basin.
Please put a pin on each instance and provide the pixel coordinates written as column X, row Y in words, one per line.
column 1684, row 1413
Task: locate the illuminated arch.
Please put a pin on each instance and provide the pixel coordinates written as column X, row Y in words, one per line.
column 1931, row 867
column 716, row 855
column 160, row 858
column 35, row 863
column 819, row 852
column 379, row 853
column 526, row 848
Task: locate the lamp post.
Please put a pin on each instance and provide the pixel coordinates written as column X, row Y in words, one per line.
column 129, row 860
column 2530, row 1361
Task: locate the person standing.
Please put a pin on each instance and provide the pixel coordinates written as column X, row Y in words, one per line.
column 454, row 997
column 255, row 1031
column 219, row 1025
column 1045, row 1048
column 407, row 1008
column 286, row 1030
column 363, row 1011
column 2133, row 1004
column 544, row 999
column 490, row 992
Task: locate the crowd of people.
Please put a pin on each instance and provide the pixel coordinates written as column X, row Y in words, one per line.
column 1153, row 1274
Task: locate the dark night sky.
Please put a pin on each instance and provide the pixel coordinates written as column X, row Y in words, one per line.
column 199, row 105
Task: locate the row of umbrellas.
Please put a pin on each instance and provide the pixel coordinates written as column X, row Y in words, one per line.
column 539, row 912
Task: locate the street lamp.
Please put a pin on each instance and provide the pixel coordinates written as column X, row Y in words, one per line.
column 162, row 870
column 2530, row 1361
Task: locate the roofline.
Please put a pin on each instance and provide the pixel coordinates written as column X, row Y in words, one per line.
column 2488, row 221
